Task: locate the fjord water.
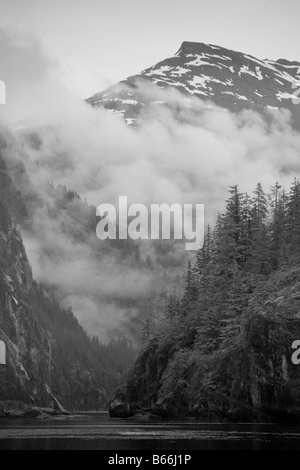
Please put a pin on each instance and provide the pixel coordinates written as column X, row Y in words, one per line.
column 96, row 431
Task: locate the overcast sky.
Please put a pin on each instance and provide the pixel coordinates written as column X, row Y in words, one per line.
column 98, row 42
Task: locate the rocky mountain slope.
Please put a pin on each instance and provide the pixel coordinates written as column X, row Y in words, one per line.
column 229, row 79
column 68, row 242
column 47, row 351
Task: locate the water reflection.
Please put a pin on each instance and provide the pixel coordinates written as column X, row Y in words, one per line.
column 97, row 431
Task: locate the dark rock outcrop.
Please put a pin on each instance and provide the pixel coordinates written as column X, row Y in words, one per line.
column 252, row 380
column 19, row 410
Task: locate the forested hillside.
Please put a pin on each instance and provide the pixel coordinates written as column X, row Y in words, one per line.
column 112, row 285
column 225, row 348
column 45, row 344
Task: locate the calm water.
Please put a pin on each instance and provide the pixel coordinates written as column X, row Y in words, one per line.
column 97, row 431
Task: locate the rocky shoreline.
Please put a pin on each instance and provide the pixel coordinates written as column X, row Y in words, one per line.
column 163, row 411
column 20, row 410
column 141, row 397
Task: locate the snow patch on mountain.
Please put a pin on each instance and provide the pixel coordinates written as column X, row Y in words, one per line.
column 229, row 79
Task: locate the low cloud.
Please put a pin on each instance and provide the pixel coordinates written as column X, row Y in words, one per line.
column 186, row 152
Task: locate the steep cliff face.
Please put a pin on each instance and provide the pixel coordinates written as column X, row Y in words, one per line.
column 141, row 390
column 47, row 350
column 251, row 378
column 27, row 344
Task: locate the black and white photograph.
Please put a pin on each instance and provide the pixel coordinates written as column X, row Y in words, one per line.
column 150, row 228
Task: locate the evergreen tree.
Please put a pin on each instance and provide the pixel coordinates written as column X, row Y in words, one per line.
column 278, row 226
column 259, row 235
column 293, row 221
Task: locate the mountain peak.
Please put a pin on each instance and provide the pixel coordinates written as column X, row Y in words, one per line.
column 230, row 79
column 188, row 47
